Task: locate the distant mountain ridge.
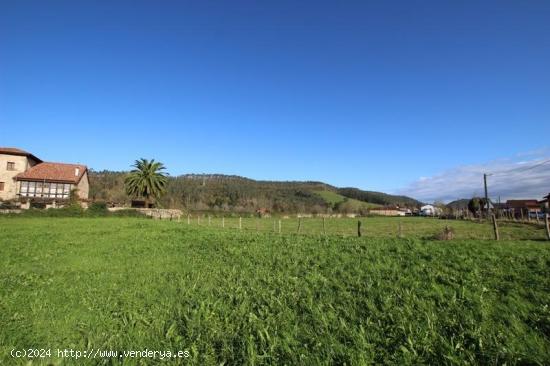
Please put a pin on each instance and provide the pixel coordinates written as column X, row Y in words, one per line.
column 378, row 197
column 459, row 204
column 232, row 193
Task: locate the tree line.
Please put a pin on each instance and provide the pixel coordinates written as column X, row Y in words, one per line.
column 226, row 193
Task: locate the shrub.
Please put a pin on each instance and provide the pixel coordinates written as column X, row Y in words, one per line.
column 8, row 205
column 127, row 213
column 447, row 234
column 69, row 211
column 98, row 209
column 73, row 210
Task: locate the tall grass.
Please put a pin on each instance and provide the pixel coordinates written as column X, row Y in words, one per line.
column 376, row 227
column 240, row 297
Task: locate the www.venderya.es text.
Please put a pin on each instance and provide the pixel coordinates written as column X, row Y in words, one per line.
column 96, row 353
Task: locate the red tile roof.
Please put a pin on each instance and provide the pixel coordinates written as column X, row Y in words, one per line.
column 522, row 203
column 16, row 151
column 54, row 172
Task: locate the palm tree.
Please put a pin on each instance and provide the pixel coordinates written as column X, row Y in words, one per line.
column 146, row 181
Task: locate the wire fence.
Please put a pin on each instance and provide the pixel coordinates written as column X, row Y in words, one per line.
column 378, row 227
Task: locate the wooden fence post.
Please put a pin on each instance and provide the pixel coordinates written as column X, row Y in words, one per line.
column 522, row 217
column 495, row 227
column 299, row 224
column 198, row 219
column 547, row 226
column 399, row 230
column 188, row 219
column 324, row 227
column 223, row 221
column 240, row 223
column 279, row 226
column 209, row 220
column 359, row 228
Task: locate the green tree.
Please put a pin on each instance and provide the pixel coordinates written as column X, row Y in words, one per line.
column 477, row 205
column 474, row 205
column 146, row 181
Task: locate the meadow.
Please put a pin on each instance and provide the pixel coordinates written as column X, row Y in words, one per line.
column 374, row 227
column 254, row 297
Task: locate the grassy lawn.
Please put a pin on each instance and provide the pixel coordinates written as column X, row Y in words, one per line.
column 247, row 297
column 333, row 198
column 378, row 227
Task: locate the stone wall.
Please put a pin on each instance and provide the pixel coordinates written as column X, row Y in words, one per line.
column 156, row 213
column 7, row 176
column 83, row 187
column 161, row 213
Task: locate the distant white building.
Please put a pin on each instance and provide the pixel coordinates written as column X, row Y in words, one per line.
column 429, row 210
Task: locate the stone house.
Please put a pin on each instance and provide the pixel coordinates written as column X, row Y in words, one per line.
column 27, row 180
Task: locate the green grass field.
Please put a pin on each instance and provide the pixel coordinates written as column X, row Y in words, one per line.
column 235, row 297
column 333, row 198
column 375, row 227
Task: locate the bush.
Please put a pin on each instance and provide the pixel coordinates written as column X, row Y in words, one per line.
column 8, row 205
column 73, row 210
column 127, row 213
column 69, row 211
column 447, row 234
column 98, row 209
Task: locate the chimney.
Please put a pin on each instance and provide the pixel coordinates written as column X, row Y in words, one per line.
column 76, row 172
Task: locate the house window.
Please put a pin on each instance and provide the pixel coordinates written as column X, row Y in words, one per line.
column 66, row 190
column 32, row 186
column 1, row 186
column 24, row 188
column 53, row 190
column 38, row 189
column 11, row 165
column 30, row 189
column 46, row 189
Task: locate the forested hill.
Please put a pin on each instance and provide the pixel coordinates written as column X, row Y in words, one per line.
column 229, row 193
column 378, row 197
column 460, row 204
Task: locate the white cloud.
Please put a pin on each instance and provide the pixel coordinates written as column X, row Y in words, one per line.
column 512, row 178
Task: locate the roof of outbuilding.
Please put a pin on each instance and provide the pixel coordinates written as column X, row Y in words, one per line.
column 16, row 151
column 522, row 203
column 54, row 172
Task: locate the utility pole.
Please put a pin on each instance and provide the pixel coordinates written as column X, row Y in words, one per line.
column 486, row 194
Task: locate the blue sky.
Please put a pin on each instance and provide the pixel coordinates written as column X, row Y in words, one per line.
column 378, row 95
